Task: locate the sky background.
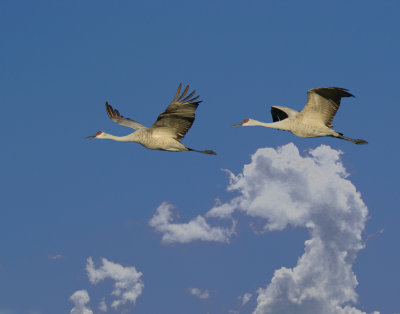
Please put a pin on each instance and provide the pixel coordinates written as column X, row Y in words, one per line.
column 65, row 199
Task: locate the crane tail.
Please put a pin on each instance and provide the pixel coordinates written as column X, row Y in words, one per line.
column 353, row 140
column 207, row 151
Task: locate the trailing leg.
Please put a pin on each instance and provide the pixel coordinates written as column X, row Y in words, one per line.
column 210, row 152
column 355, row 141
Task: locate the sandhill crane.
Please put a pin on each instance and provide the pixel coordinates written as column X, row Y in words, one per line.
column 168, row 130
column 314, row 120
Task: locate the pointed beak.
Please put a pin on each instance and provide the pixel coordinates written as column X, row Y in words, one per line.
column 91, row 136
column 239, row 124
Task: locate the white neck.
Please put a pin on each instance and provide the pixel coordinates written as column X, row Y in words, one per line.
column 280, row 125
column 126, row 138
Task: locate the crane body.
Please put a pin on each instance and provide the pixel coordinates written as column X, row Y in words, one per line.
column 168, row 130
column 314, row 120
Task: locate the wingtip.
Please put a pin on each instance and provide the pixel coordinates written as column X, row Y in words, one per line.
column 184, row 93
column 341, row 92
column 346, row 92
column 177, row 92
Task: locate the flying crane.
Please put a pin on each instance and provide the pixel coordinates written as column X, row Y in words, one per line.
column 314, row 120
column 168, row 130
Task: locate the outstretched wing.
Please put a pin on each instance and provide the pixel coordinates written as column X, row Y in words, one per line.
column 179, row 115
column 323, row 103
column 280, row 113
column 116, row 117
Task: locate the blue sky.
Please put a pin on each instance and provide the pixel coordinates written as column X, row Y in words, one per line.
column 65, row 199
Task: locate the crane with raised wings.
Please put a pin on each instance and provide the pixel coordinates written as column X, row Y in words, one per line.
column 168, row 130
column 314, row 120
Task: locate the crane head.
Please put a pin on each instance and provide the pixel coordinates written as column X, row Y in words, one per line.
column 97, row 135
column 243, row 123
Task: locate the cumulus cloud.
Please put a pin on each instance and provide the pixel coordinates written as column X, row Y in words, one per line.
column 245, row 298
column 128, row 284
column 313, row 191
column 201, row 294
column 196, row 229
column 80, row 298
column 103, row 305
column 286, row 188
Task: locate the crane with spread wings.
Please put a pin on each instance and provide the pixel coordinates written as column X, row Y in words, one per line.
column 314, row 120
column 168, row 130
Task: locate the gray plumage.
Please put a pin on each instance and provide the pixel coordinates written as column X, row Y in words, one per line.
column 314, row 120
column 167, row 131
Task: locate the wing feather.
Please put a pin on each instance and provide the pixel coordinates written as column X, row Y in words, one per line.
column 116, row 117
column 179, row 115
column 177, row 92
column 184, row 93
column 190, row 95
column 323, row 103
column 278, row 114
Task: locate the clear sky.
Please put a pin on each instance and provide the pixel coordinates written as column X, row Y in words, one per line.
column 101, row 226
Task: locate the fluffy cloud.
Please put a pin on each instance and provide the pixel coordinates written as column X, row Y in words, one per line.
column 313, row 192
column 284, row 188
column 196, row 229
column 201, row 294
column 103, row 305
column 245, row 298
column 128, row 284
column 80, row 298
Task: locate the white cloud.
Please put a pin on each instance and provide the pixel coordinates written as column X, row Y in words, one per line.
column 80, row 298
column 245, row 298
column 313, row 192
column 201, row 294
column 128, row 284
column 196, row 229
column 103, row 305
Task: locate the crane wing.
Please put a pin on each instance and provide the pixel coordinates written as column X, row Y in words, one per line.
column 179, row 115
column 280, row 113
column 116, row 117
column 323, row 103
